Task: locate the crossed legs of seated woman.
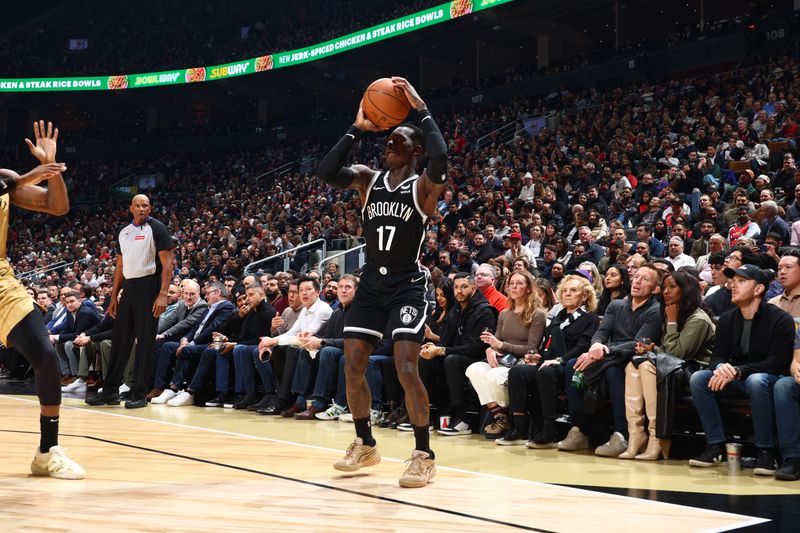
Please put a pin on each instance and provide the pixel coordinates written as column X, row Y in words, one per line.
column 491, row 385
column 641, row 399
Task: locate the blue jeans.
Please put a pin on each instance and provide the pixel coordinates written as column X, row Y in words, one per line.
column 191, row 352
column 303, row 373
column 374, row 381
column 787, row 415
column 325, row 384
column 615, row 382
column 165, row 356
column 210, row 357
column 757, row 387
column 246, row 362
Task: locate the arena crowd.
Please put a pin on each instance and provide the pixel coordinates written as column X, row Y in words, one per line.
column 642, row 250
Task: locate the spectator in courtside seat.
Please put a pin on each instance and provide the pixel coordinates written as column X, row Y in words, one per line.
column 752, row 349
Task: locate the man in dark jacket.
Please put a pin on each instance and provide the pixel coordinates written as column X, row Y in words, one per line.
column 97, row 340
column 194, row 342
column 243, row 327
column 79, row 318
column 45, row 304
column 752, row 349
column 459, row 347
column 626, row 322
column 483, row 251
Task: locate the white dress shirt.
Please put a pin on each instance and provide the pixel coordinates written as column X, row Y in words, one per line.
column 311, row 319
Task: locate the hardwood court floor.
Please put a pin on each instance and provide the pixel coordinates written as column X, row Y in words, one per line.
column 186, row 473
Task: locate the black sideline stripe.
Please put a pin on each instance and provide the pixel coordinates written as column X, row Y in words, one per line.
column 296, row 480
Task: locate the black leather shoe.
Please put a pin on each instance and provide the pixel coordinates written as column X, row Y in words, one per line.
column 246, row 401
column 110, row 398
column 136, row 403
column 265, row 402
column 273, row 408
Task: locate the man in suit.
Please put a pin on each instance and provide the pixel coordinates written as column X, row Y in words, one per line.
column 78, row 319
column 59, row 315
column 193, row 343
column 173, row 327
column 188, row 313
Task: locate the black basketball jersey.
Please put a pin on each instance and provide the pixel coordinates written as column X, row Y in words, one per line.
column 394, row 222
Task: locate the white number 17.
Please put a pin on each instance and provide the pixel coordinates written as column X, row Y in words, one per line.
column 385, row 246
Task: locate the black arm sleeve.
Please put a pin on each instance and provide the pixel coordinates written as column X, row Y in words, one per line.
column 435, row 147
column 332, row 167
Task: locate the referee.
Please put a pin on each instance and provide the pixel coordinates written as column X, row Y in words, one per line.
column 144, row 269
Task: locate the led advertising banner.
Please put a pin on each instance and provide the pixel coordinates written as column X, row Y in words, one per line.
column 380, row 32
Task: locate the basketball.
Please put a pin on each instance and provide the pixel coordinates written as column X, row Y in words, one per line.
column 385, row 105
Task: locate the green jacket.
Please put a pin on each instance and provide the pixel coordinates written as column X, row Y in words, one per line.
column 694, row 341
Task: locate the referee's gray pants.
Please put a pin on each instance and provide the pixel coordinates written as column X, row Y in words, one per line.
column 135, row 323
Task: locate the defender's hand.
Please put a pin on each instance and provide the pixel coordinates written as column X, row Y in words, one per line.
column 37, row 175
column 46, row 140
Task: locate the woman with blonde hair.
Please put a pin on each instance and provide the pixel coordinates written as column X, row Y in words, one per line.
column 534, row 387
column 519, row 331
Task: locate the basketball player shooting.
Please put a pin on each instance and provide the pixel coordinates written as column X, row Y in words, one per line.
column 21, row 325
column 396, row 202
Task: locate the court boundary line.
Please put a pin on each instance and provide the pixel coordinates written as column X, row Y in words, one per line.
column 282, row 477
column 753, row 520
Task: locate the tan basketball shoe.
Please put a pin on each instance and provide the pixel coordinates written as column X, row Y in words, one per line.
column 357, row 456
column 421, row 470
column 55, row 463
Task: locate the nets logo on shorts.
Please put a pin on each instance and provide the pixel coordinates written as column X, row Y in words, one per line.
column 408, row 314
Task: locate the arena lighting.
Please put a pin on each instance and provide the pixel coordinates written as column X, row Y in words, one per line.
column 399, row 26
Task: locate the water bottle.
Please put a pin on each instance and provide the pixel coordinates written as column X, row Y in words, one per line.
column 577, row 379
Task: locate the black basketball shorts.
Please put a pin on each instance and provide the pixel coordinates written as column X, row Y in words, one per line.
column 389, row 300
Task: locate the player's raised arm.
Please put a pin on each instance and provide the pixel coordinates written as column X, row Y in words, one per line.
column 53, row 199
column 332, row 167
column 435, row 147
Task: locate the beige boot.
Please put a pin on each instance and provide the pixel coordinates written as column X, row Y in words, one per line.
column 634, row 412
column 655, row 447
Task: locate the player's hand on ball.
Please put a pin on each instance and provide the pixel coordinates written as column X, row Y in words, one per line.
column 411, row 93
column 362, row 122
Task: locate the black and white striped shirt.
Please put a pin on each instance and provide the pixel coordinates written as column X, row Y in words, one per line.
column 140, row 245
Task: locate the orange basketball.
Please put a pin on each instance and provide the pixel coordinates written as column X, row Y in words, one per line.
column 385, row 105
